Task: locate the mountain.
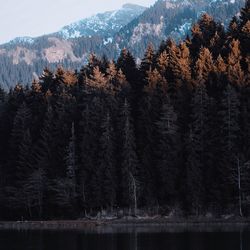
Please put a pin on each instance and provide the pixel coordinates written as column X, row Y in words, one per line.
column 172, row 18
column 24, row 57
column 167, row 139
column 108, row 33
column 104, row 24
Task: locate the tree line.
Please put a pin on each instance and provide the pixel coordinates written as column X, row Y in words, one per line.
column 170, row 134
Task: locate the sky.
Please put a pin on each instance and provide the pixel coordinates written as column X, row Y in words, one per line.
column 37, row 17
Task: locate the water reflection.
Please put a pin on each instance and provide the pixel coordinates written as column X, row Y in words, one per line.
column 241, row 240
column 128, row 238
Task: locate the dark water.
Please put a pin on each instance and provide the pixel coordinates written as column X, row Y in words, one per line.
column 128, row 239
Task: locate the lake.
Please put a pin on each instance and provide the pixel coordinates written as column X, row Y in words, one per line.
column 128, row 238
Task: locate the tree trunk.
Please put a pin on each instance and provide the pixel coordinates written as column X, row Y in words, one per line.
column 239, row 187
column 133, row 182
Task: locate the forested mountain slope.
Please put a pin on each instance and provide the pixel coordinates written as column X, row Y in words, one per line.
column 133, row 27
column 25, row 57
column 170, row 136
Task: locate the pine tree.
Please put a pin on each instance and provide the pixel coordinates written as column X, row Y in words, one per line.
column 3, row 102
column 234, row 71
column 185, row 62
column 220, row 65
column 47, row 81
column 207, row 33
column 147, row 62
column 107, row 163
column 204, row 66
column 197, row 39
column 121, row 81
column 229, row 128
column 20, row 125
column 116, row 78
column 244, row 37
column 168, row 151
column 87, row 156
column 155, row 81
column 71, row 162
column 239, row 177
column 90, row 172
column 93, row 62
column 245, row 14
column 65, row 188
column 194, row 175
column 97, row 79
column 196, row 149
column 35, row 188
column 24, row 168
column 129, row 160
column 230, row 113
column 127, row 64
column 233, row 29
column 162, row 62
column 146, row 139
column 174, row 72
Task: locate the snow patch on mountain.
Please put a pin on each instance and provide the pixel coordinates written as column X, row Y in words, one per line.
column 104, row 24
column 185, row 28
column 172, row 4
column 107, row 41
column 222, row 1
column 22, row 40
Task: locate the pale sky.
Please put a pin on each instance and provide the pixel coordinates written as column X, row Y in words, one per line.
column 37, row 17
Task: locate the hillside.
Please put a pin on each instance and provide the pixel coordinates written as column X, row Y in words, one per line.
column 170, row 136
column 26, row 57
column 107, row 34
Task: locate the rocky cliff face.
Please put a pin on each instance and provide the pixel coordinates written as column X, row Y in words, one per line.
column 173, row 18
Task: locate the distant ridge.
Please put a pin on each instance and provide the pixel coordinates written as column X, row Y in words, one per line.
column 133, row 26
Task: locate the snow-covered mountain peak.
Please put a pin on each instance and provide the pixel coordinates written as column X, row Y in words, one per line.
column 104, row 24
column 132, row 6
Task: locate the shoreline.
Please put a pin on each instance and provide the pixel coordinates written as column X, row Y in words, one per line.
column 92, row 225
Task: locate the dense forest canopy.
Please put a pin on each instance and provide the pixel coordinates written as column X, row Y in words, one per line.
column 170, row 135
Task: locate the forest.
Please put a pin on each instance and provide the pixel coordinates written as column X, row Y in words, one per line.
column 169, row 135
column 21, row 61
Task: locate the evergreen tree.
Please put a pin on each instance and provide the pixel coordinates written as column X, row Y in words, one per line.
column 127, row 64
column 71, row 163
column 97, row 80
column 107, row 163
column 245, row 14
column 24, row 168
column 244, row 38
column 90, row 173
column 20, row 126
column 35, row 188
column 234, row 71
column 167, row 153
column 147, row 62
column 129, row 160
column 162, row 62
column 196, row 149
column 204, row 66
column 185, row 62
column 229, row 113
